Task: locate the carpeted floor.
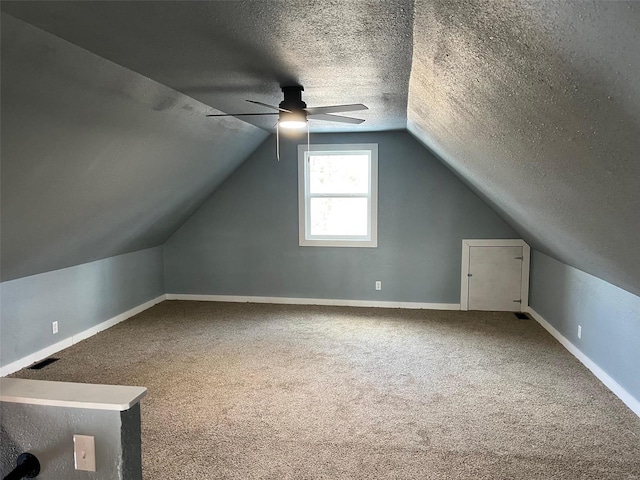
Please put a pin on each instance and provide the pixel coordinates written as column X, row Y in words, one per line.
column 247, row 391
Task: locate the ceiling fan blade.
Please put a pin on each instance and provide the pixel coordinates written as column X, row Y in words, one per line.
column 268, row 106
column 335, row 118
column 353, row 107
column 239, row 114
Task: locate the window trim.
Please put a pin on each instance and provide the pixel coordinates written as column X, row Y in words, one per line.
column 371, row 240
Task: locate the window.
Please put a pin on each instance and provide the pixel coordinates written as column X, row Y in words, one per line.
column 338, row 195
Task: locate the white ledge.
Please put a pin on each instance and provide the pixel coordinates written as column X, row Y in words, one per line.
column 70, row 395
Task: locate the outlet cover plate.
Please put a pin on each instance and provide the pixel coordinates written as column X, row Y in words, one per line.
column 54, row 327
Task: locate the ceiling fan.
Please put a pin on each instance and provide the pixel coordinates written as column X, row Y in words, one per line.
column 293, row 113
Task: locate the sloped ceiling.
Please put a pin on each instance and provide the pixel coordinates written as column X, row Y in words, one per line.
column 535, row 104
column 108, row 152
column 98, row 160
column 225, row 52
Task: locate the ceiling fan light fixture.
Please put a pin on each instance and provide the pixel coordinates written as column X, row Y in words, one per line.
column 293, row 120
column 293, row 125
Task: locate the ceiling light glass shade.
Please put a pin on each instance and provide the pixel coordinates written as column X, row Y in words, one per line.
column 293, row 120
column 293, row 124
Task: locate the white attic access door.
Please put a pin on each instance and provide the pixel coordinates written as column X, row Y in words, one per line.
column 495, row 275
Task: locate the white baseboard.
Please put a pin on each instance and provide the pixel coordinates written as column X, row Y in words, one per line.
column 609, row 382
column 628, row 399
column 313, row 301
column 67, row 342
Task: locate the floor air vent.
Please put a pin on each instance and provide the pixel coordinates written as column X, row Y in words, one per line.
column 43, row 363
column 522, row 316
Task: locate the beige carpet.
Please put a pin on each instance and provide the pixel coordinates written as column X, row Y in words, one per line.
column 245, row 391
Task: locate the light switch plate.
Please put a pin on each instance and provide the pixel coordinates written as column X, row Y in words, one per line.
column 84, row 453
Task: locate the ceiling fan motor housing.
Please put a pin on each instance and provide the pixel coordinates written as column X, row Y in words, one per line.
column 296, row 115
column 293, row 98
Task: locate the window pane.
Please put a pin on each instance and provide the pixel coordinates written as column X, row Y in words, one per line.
column 338, row 216
column 339, row 174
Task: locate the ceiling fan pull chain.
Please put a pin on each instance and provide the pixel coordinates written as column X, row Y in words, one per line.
column 308, row 136
column 278, row 140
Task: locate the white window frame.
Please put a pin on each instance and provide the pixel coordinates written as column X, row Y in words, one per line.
column 304, row 197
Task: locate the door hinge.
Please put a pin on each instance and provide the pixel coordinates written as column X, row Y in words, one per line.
column 469, row 275
column 519, row 258
column 518, row 301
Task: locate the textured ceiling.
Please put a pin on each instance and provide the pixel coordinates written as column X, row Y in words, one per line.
column 224, row 52
column 535, row 104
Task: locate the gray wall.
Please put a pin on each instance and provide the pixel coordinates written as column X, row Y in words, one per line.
column 609, row 316
column 47, row 432
column 244, row 239
column 77, row 297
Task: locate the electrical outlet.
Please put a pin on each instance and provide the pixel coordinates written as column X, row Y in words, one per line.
column 378, row 285
column 54, row 327
column 579, row 331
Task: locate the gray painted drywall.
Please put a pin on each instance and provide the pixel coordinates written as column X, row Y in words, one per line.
column 537, row 105
column 222, row 53
column 244, row 239
column 47, row 432
column 610, row 317
column 98, row 160
column 78, row 297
